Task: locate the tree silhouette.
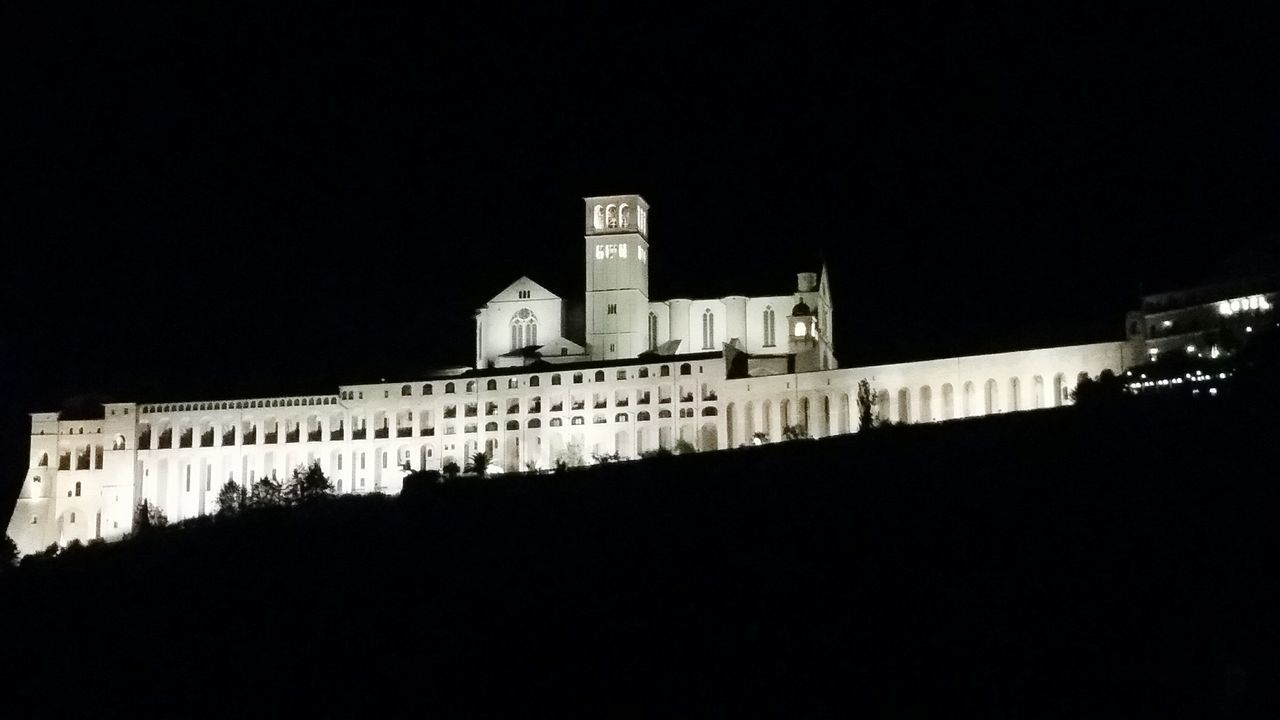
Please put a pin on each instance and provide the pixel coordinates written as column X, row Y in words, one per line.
column 794, row 432
column 1105, row 390
column 451, row 470
column 231, row 499
column 307, row 484
column 148, row 517
column 684, row 447
column 479, row 464
column 8, row 553
column 266, row 493
column 866, row 406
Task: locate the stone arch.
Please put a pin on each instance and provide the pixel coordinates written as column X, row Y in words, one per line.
column 730, row 417
column 904, row 405
column 948, row 402
column 926, row 404
column 969, row 400
column 1059, row 389
column 991, row 397
column 883, row 408
column 708, row 439
column 1037, row 392
column 844, row 413
column 1015, row 394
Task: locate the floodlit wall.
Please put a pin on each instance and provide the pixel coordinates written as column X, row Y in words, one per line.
column 178, row 455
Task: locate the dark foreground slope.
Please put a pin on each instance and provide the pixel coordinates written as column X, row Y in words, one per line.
column 1054, row 564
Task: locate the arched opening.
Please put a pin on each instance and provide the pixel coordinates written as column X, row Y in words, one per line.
column 991, row 399
column 1015, row 395
column 708, row 439
column 926, row 404
column 730, row 430
column 597, row 217
column 766, row 419
column 622, row 443
column 624, row 215
column 970, row 400
column 948, row 402
column 882, row 406
column 1037, row 392
column 43, row 460
column 804, row 415
column 708, row 329
column 904, row 405
column 1059, row 390
column 844, row 413
column 599, row 376
column 770, row 327
column 653, row 331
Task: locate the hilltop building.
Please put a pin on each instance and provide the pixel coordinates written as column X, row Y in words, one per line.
column 714, row 373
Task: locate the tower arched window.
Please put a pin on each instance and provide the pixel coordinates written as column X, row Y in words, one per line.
column 769, row 318
column 624, row 215
column 524, row 329
column 611, row 216
column 708, row 329
column 597, row 217
column 653, row 331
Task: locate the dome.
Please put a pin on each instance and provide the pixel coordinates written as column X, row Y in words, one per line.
column 801, row 309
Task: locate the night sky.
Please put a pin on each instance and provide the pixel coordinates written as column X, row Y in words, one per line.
column 211, row 201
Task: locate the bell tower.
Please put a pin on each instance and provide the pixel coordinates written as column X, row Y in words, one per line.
column 616, row 233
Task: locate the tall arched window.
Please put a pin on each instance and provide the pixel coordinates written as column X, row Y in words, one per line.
column 653, row 331
column 597, row 218
column 524, row 329
column 708, row 329
column 624, row 215
column 768, row 327
column 611, row 216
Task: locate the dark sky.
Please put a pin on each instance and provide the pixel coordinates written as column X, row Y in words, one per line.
column 208, row 200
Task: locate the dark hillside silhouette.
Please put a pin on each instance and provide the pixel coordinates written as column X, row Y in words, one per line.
column 1118, row 560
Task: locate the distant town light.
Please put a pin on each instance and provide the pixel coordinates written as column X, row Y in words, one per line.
column 1248, row 328
column 1214, row 352
column 1167, row 323
column 1213, row 391
column 1191, row 349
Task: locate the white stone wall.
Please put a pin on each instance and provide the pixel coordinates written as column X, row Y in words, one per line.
column 521, row 418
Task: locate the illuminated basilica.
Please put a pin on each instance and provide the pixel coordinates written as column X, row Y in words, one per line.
column 702, row 373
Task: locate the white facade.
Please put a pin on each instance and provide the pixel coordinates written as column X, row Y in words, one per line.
column 551, row 399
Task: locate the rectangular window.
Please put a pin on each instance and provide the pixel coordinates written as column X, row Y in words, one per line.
column 622, row 250
column 600, row 252
column 611, row 251
column 641, row 253
column 612, row 309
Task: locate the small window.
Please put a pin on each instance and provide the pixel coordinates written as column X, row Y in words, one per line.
column 599, row 376
column 611, row 309
column 644, row 372
column 533, row 381
column 426, row 389
column 577, row 377
column 513, row 383
column 491, row 385
column 405, row 391
column 577, row 420
column 686, row 369
column 622, row 374
column 555, row 379
column 448, row 388
column 73, row 518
